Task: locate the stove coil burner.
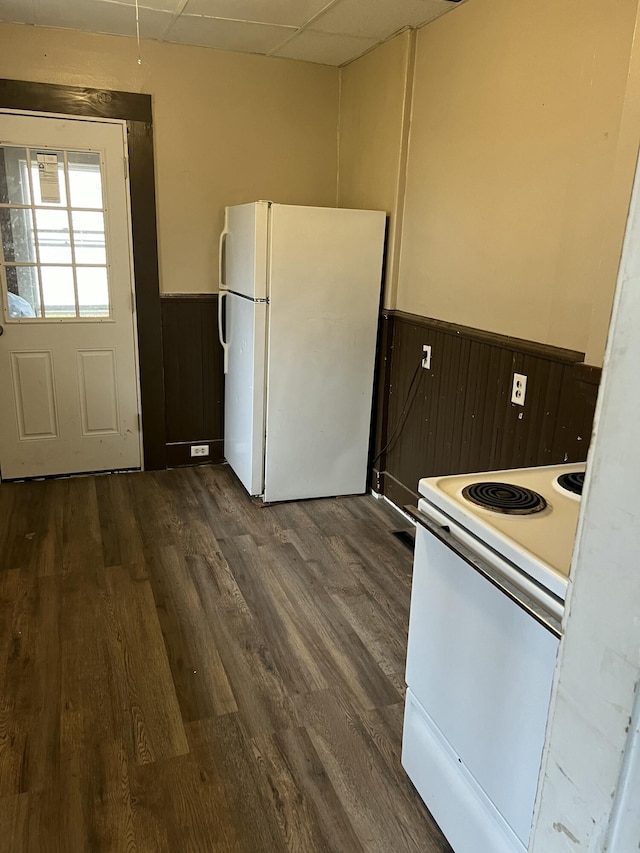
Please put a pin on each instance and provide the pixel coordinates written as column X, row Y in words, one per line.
column 505, row 497
column 572, row 482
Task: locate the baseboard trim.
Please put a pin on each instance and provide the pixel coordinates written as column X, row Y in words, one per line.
column 397, row 493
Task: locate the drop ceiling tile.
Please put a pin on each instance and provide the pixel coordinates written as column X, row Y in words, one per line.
column 157, row 5
column 325, row 48
column 101, row 16
column 342, row 30
column 378, row 18
column 292, row 13
column 227, row 35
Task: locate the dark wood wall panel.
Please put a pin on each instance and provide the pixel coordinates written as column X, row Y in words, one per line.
column 193, row 377
column 458, row 416
column 380, row 399
column 577, row 404
column 145, row 262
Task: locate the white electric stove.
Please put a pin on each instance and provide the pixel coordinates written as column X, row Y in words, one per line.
column 491, row 567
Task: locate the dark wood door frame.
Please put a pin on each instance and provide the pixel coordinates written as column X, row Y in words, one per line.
column 135, row 109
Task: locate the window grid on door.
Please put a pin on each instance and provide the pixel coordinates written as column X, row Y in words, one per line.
column 54, row 252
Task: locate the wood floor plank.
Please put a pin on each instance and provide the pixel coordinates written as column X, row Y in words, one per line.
column 10, row 582
column 384, row 725
column 335, row 565
column 96, row 806
column 324, row 633
column 331, row 514
column 199, row 676
column 121, row 538
column 178, row 807
column 9, row 496
column 93, row 698
column 223, row 750
column 385, row 639
column 304, row 801
column 14, row 816
column 81, row 535
column 389, row 817
column 151, row 709
column 30, row 703
column 148, row 497
column 383, row 569
column 264, row 704
column 33, row 532
column 213, row 799
column 228, row 512
column 191, row 528
column 289, row 636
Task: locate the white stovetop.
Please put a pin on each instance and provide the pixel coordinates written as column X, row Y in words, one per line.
column 543, row 540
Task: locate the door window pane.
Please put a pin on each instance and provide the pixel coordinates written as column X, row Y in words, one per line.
column 14, row 180
column 52, row 230
column 88, row 237
column 58, row 292
column 54, row 240
column 93, row 291
column 85, row 180
column 18, row 239
column 23, row 292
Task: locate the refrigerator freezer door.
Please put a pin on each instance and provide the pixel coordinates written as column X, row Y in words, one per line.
column 244, row 266
column 325, row 274
column 244, row 390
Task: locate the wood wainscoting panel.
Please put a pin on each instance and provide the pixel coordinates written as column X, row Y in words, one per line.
column 457, row 416
column 193, row 377
column 578, row 398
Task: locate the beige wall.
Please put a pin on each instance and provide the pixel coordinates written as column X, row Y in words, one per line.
column 374, row 103
column 523, row 137
column 228, row 128
column 518, row 174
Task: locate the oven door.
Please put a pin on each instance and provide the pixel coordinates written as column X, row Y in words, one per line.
column 479, row 672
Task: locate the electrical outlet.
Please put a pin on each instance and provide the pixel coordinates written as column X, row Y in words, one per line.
column 426, row 356
column 519, row 388
column 199, row 449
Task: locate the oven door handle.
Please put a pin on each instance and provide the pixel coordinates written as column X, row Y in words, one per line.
column 544, row 607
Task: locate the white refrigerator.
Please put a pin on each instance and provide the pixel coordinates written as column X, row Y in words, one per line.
column 298, row 315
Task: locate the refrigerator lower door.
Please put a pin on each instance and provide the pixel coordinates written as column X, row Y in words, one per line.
column 244, row 393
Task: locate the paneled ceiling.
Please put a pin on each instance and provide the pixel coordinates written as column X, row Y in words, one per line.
column 331, row 32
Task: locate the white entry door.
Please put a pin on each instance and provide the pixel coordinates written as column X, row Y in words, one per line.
column 68, row 354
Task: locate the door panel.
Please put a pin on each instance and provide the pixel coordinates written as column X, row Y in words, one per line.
column 32, row 374
column 98, row 391
column 68, row 356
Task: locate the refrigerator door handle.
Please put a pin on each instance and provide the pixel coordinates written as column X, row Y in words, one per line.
column 225, row 345
column 221, row 247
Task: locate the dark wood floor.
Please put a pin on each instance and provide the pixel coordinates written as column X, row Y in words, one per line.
column 183, row 670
